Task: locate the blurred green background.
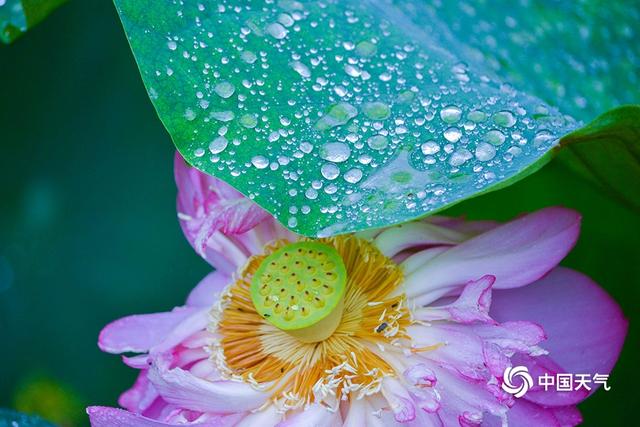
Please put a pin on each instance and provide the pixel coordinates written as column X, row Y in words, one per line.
column 88, row 230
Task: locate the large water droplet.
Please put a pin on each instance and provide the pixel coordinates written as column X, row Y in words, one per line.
column 453, row 134
column 223, row 116
column 504, row 118
column 477, row 116
column 336, row 152
column 378, row 142
column 249, row 121
column 542, row 138
column 276, row 30
column 376, row 110
column 353, row 175
column 460, row 157
column 248, row 57
column 495, row 137
column 366, row 49
column 338, row 115
column 301, row 69
column 259, row 162
column 485, row 152
column 429, row 148
column 218, row 145
column 224, row 89
column 450, row 114
column 330, row 171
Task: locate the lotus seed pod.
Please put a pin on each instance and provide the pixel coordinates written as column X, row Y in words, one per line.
column 299, row 289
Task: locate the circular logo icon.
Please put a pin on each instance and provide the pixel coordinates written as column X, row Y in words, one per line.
column 517, row 380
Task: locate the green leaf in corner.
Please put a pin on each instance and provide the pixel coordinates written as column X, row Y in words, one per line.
column 17, row 16
column 9, row 418
column 607, row 151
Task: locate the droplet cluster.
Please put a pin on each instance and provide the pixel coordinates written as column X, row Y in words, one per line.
column 340, row 115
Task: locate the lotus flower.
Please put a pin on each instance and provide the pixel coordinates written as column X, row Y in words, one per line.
column 410, row 325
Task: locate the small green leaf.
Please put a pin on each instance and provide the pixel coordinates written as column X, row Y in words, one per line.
column 17, row 16
column 9, row 418
column 334, row 116
column 607, row 151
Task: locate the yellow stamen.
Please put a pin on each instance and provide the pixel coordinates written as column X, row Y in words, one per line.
column 301, row 369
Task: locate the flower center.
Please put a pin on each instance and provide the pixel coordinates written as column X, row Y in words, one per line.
column 300, row 289
column 290, row 335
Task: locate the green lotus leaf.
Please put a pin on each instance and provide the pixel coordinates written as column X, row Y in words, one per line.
column 607, row 151
column 338, row 116
column 17, row 16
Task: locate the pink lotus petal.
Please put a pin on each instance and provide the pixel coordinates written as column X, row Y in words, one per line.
column 356, row 414
column 567, row 415
column 519, row 336
column 139, row 397
column 527, row 414
column 101, row 416
column 201, row 194
column 459, row 395
column 208, row 210
column 584, row 325
column 313, row 415
column 471, row 306
column 191, row 325
column 462, row 225
column 460, row 349
column 516, row 253
column 140, row 361
column 139, row 333
column 399, row 400
column 398, row 238
column 185, row 390
column 545, row 365
column 268, row 416
column 207, row 291
column 420, row 375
